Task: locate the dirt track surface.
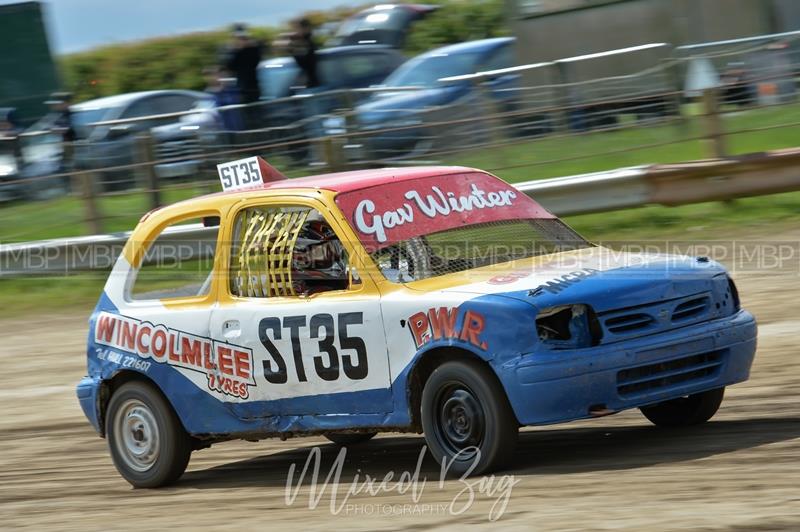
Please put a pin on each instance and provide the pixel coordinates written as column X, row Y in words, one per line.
column 740, row 471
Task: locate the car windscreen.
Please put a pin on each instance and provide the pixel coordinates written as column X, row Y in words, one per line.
column 441, row 224
column 276, row 78
column 353, row 69
column 426, row 71
column 474, row 246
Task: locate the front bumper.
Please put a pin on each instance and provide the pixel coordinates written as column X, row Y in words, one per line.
column 561, row 386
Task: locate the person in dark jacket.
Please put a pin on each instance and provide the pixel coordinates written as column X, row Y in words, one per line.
column 244, row 55
column 304, row 50
column 8, row 123
column 59, row 119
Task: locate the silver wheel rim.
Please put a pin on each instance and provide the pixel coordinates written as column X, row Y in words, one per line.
column 136, row 435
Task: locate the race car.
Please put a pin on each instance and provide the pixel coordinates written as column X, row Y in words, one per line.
column 438, row 300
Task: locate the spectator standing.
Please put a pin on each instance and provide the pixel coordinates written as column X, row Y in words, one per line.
column 59, row 121
column 244, row 55
column 304, row 50
column 8, row 125
column 223, row 88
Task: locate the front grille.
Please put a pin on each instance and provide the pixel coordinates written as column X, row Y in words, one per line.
column 660, row 316
column 644, row 379
column 690, row 309
column 629, row 323
column 188, row 148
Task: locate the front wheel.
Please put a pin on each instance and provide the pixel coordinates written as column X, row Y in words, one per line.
column 148, row 444
column 468, row 423
column 684, row 411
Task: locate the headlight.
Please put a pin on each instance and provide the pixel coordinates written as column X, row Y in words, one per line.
column 568, row 327
column 8, row 165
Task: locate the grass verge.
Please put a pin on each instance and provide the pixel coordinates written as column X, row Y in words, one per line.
column 760, row 215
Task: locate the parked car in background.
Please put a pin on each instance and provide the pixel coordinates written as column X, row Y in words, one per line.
column 346, row 67
column 41, row 160
column 300, row 111
column 9, row 155
column 176, row 138
column 9, row 164
column 25, row 156
column 382, row 24
column 418, row 93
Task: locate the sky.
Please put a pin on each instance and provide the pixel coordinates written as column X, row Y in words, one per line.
column 75, row 25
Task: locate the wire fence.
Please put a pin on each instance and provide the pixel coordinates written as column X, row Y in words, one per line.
column 528, row 122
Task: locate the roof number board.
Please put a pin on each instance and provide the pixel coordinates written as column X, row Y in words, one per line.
column 241, row 174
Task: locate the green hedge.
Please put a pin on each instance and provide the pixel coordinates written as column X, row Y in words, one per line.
column 164, row 63
column 458, row 21
column 177, row 62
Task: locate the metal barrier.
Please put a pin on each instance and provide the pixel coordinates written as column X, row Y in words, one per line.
column 758, row 70
column 678, row 184
column 569, row 115
column 63, row 256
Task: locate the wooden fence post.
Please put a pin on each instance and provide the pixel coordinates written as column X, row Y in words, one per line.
column 351, row 127
column 562, row 99
column 92, row 215
column 675, row 102
column 492, row 110
column 148, row 178
column 713, row 124
column 332, row 153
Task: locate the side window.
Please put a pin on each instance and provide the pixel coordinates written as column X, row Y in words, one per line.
column 286, row 251
column 178, row 263
column 328, row 71
column 503, row 58
column 351, row 69
column 388, row 61
column 141, row 108
column 174, row 103
column 361, row 66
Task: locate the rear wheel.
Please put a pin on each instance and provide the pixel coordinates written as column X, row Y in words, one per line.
column 350, row 438
column 684, row 411
column 148, row 444
column 469, row 425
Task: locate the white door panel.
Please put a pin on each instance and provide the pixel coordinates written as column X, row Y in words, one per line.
column 305, row 349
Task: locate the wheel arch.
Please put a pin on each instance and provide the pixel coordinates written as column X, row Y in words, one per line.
column 113, row 383
column 425, row 364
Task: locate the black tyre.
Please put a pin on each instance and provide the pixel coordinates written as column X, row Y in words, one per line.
column 684, row 411
column 468, row 422
column 350, row 438
column 148, row 444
